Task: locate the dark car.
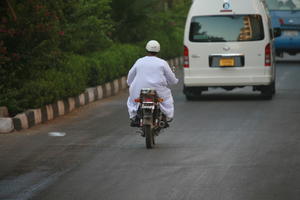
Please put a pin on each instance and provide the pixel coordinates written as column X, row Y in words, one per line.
column 285, row 14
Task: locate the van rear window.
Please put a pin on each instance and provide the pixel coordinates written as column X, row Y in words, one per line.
column 228, row 28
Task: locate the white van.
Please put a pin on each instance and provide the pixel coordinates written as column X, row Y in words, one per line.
column 228, row 44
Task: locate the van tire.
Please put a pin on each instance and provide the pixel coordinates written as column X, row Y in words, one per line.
column 266, row 95
column 193, row 93
column 268, row 91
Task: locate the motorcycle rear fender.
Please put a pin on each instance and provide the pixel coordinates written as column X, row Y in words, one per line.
column 147, row 119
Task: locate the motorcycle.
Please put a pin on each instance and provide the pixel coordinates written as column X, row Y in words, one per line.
column 151, row 120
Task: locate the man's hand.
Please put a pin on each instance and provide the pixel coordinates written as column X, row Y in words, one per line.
column 173, row 68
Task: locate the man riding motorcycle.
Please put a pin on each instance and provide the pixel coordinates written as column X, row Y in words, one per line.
column 151, row 72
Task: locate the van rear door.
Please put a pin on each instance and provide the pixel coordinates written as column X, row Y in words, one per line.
column 219, row 41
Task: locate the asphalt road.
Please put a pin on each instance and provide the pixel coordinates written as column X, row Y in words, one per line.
column 225, row 146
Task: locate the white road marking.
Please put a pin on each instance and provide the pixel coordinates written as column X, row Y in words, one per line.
column 57, row 134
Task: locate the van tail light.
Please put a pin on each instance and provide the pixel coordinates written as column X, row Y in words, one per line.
column 268, row 59
column 186, row 63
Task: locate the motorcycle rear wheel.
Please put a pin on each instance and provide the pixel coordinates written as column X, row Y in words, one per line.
column 149, row 136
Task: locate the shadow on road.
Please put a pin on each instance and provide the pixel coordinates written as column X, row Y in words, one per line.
column 229, row 97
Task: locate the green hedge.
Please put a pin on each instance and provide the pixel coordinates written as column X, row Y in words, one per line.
column 51, row 85
column 112, row 63
column 52, row 52
column 78, row 73
column 171, row 43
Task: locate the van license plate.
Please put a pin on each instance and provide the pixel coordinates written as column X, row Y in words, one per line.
column 226, row 62
column 291, row 33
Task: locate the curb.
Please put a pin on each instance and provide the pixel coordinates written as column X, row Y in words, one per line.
column 49, row 112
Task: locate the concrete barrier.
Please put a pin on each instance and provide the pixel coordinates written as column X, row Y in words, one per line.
column 71, row 102
column 4, row 112
column 99, row 92
column 61, row 108
column 108, row 90
column 20, row 121
column 6, row 125
column 123, row 83
column 37, row 116
column 91, row 94
column 116, row 87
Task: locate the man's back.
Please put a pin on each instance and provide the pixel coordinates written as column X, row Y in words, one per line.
column 150, row 72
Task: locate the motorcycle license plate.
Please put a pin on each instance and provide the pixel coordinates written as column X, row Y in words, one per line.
column 147, row 106
column 226, row 62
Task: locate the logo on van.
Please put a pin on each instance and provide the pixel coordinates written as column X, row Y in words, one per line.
column 226, row 6
column 226, row 48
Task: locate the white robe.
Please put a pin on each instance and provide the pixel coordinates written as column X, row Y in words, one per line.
column 151, row 72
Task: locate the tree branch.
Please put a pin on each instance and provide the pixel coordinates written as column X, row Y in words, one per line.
column 13, row 13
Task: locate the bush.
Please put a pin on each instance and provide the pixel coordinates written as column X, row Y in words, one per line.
column 50, row 86
column 112, row 63
column 169, row 29
column 87, row 26
column 78, row 73
column 171, row 43
column 132, row 18
column 55, row 49
column 29, row 40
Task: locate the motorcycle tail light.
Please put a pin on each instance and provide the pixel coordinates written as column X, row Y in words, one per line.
column 148, row 100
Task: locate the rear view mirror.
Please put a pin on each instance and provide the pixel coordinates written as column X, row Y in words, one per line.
column 277, row 32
